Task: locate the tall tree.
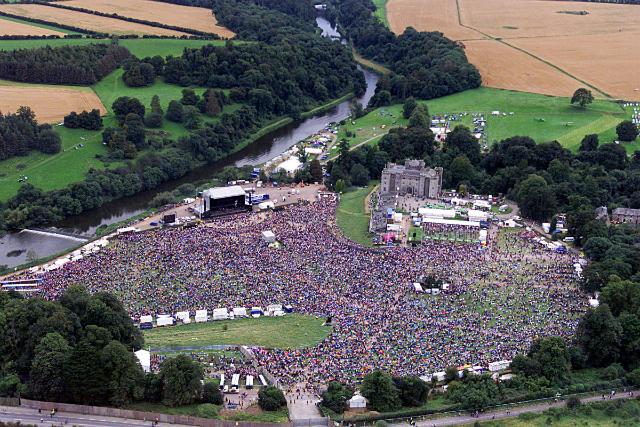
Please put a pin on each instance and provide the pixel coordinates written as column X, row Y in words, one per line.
column 45, row 377
column 380, row 391
column 582, row 96
column 181, row 381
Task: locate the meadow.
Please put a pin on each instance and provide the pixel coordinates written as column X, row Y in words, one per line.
column 543, row 118
column 290, row 331
column 352, row 216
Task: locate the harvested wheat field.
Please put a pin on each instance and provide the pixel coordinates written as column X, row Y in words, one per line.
column 195, row 18
column 50, row 103
column 84, row 20
column 428, row 15
column 525, row 74
column 13, row 28
column 549, row 47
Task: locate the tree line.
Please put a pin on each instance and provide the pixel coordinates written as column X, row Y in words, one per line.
column 78, row 65
column 424, row 65
column 20, row 133
column 89, row 120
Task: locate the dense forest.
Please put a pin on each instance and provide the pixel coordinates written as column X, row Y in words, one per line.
column 424, row 65
column 20, row 133
column 77, row 65
column 79, row 349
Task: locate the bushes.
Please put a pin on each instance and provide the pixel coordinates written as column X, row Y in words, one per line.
column 212, row 394
column 139, row 74
column 271, row 399
column 85, row 120
column 336, row 396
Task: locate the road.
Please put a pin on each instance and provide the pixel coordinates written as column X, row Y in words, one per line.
column 31, row 416
column 502, row 414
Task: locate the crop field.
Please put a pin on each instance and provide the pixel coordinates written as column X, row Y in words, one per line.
column 543, row 118
column 14, row 27
column 50, row 103
column 289, row 331
column 84, row 20
column 196, row 18
column 548, row 47
column 139, row 47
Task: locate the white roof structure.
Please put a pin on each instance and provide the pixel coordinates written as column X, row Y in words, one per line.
column 223, row 192
column 451, row 222
column 268, row 236
column 290, row 165
column 144, row 357
column 357, row 401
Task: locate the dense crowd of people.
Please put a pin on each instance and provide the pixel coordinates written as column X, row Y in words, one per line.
column 501, row 296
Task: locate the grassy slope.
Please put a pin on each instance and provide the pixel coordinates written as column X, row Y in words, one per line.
column 276, row 332
column 351, row 216
column 33, row 24
column 139, row 47
column 563, row 122
column 381, row 12
column 208, row 410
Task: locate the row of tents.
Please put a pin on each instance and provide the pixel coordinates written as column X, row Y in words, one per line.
column 495, row 368
column 201, row 316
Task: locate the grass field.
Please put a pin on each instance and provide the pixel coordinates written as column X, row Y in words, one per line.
column 352, row 217
column 381, row 12
column 273, row 332
column 601, row 414
column 543, row 118
column 139, row 47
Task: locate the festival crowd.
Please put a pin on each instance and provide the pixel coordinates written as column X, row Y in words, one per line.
column 501, row 296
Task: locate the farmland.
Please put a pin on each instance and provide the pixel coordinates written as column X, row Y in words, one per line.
column 543, row 118
column 50, row 103
column 196, row 18
column 536, row 46
column 15, row 27
column 84, row 20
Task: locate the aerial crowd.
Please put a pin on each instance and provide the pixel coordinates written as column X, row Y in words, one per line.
column 501, row 296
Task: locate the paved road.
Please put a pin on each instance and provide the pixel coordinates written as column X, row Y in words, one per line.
column 31, row 416
column 506, row 413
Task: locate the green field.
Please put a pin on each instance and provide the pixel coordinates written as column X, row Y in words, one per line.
column 381, row 12
column 50, row 172
column 139, row 47
column 33, row 24
column 208, row 410
column 544, row 118
column 289, row 331
column 351, row 216
column 601, row 414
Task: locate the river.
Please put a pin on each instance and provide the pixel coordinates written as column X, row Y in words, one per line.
column 15, row 246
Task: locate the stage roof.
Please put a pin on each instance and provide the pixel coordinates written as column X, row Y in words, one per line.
column 224, row 192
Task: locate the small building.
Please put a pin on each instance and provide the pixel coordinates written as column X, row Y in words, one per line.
column 626, row 216
column 357, row 402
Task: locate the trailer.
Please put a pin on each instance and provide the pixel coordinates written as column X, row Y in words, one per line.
column 235, row 383
column 202, row 316
column 146, row 322
column 221, row 381
column 263, row 381
column 249, row 382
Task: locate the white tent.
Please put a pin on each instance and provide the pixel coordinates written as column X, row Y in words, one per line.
column 164, row 320
column 183, row 316
column 268, row 236
column 417, row 287
column 290, row 166
column 271, row 309
column 220, row 314
column 357, row 401
column 239, row 312
column 144, row 357
column 202, row 316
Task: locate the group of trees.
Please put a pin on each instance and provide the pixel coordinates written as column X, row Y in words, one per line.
column 90, row 120
column 71, row 64
column 20, row 133
column 424, row 65
column 383, row 392
column 80, row 350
